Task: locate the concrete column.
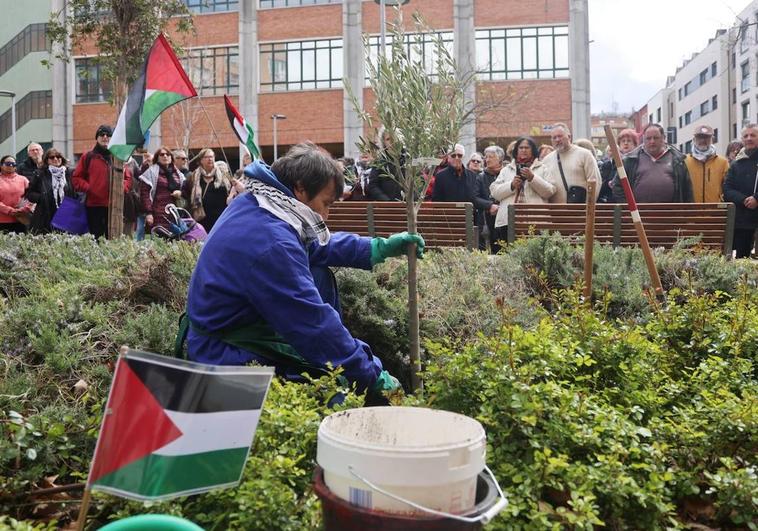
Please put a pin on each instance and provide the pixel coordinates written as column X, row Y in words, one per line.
column 464, row 47
column 353, row 70
column 63, row 96
column 248, row 74
column 579, row 68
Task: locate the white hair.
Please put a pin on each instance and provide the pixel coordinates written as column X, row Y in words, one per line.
column 457, row 147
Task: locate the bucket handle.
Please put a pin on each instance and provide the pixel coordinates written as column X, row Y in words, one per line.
column 484, row 518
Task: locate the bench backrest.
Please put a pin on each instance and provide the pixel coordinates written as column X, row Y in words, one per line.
column 665, row 223
column 441, row 224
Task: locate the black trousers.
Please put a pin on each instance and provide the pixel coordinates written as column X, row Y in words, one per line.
column 18, row 228
column 97, row 219
column 743, row 242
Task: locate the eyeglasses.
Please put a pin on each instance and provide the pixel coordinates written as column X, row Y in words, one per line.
column 455, row 156
column 55, row 157
column 164, row 154
column 104, row 134
column 475, row 161
column 181, row 158
column 9, row 164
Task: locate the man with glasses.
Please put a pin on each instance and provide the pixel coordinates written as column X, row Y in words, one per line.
column 92, row 176
column 180, row 161
column 455, row 183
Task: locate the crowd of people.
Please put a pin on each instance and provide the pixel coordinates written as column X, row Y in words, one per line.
column 524, row 172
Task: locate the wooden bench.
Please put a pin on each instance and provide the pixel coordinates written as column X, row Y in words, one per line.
column 441, row 224
column 665, row 223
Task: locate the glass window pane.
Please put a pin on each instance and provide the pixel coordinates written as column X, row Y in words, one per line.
column 530, row 53
column 293, row 66
column 546, row 53
column 322, row 64
column 482, row 55
column 514, row 54
column 498, row 54
column 337, row 63
column 309, row 65
column 561, row 52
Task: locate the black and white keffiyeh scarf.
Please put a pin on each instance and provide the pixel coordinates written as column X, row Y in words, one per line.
column 308, row 224
column 58, row 174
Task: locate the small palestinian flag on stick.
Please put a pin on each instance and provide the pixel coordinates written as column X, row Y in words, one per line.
column 173, row 427
column 241, row 128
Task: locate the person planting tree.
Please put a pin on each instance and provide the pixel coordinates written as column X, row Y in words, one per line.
column 261, row 290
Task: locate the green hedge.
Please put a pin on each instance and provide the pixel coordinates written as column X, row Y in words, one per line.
column 628, row 415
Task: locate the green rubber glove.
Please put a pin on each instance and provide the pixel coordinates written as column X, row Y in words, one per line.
column 385, row 382
column 395, row 245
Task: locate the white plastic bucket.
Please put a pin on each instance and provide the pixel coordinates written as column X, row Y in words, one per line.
column 429, row 457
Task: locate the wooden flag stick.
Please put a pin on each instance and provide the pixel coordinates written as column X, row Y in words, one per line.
column 639, row 227
column 83, row 510
column 215, row 134
column 589, row 239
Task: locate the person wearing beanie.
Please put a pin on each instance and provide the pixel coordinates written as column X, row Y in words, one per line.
column 92, row 175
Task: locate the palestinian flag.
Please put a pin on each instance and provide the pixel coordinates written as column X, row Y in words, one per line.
column 163, row 83
column 173, row 427
column 242, row 129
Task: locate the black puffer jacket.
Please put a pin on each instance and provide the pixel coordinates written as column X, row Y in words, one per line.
column 381, row 186
column 741, row 181
column 41, row 192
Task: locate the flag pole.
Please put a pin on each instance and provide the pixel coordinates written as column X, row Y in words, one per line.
column 213, row 128
column 83, row 510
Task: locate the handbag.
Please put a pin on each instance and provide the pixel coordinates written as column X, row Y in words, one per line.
column 71, row 216
column 574, row 194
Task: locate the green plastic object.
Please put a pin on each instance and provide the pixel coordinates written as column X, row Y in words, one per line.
column 152, row 522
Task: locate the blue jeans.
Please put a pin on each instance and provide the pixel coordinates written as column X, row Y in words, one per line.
column 139, row 234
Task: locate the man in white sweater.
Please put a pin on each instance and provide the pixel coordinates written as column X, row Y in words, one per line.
column 570, row 164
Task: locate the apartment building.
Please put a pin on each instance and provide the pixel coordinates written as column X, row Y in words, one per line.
column 288, row 58
column 23, row 78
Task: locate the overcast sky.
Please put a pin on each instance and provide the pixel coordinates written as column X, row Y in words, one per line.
column 636, row 44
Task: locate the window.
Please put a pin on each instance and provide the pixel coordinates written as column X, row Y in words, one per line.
column 658, row 115
column 734, row 130
column 671, row 111
column 734, row 96
column 744, row 37
column 681, row 124
column 650, row 120
column 688, row 146
column 213, row 71
column 418, row 46
column 745, row 73
column 688, row 118
column 745, row 111
column 30, row 39
column 705, row 107
column 680, row 94
column 714, row 69
column 301, row 65
column 715, row 136
column 688, row 88
column 211, row 6
column 91, row 85
column 522, row 53
column 288, row 3
column 33, row 106
column 703, row 76
column 714, row 102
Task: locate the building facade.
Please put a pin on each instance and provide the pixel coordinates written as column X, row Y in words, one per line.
column 289, row 58
column 23, row 47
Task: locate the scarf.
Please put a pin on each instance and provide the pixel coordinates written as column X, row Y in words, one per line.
column 701, row 155
column 196, row 197
column 58, row 174
column 308, row 224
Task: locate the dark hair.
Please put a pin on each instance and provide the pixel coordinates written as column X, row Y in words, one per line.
column 311, row 167
column 169, row 171
column 51, row 152
column 6, row 157
column 735, row 145
column 532, row 145
column 657, row 126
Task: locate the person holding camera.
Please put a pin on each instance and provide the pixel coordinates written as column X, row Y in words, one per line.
column 523, row 180
column 573, row 167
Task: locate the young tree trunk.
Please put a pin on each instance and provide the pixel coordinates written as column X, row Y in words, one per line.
column 417, row 385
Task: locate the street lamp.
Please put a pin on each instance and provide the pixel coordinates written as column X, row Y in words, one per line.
column 276, row 118
column 12, row 96
column 383, row 20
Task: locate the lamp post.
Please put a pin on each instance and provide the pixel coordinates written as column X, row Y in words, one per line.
column 276, row 118
column 12, row 96
column 383, row 21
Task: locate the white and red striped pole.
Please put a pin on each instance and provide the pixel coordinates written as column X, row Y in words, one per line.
column 639, row 227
